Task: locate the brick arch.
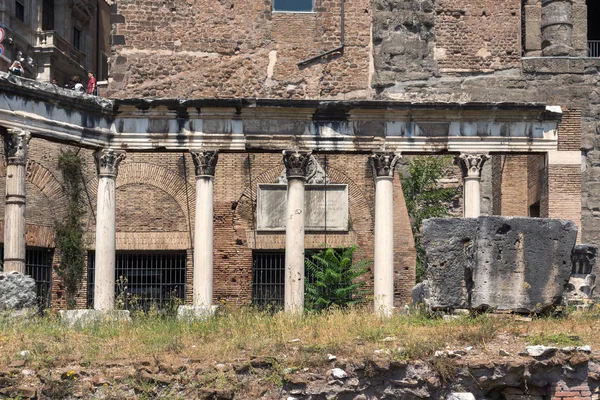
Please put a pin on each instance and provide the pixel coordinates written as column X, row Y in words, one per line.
column 157, row 176
column 44, row 180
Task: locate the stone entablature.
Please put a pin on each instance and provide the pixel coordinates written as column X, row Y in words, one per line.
column 275, row 124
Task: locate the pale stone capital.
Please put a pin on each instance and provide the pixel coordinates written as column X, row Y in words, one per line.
column 205, row 162
column 107, row 162
column 16, row 146
column 471, row 164
column 384, row 164
column 296, row 163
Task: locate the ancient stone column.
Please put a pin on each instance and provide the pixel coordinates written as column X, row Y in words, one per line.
column 384, row 165
column 205, row 163
column 16, row 145
column 557, row 27
column 296, row 165
column 107, row 167
column 471, row 165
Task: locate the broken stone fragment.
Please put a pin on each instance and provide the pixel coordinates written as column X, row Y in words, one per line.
column 339, row 373
column 540, row 351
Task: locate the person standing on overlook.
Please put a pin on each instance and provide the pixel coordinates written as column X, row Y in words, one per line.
column 92, row 87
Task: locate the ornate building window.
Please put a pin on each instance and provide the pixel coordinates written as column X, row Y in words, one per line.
column 20, row 10
column 293, row 5
column 48, row 15
column 77, row 38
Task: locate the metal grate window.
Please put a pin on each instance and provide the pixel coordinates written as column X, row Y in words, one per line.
column 268, row 284
column 145, row 279
column 268, row 278
column 38, row 265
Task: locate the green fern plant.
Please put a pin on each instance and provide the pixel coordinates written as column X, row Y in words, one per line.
column 333, row 279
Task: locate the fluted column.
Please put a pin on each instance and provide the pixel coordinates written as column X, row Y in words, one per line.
column 205, row 163
column 471, row 165
column 107, row 167
column 296, row 164
column 384, row 165
column 16, row 145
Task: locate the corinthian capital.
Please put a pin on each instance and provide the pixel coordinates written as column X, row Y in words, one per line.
column 205, row 162
column 296, row 163
column 107, row 162
column 16, row 145
column 471, row 164
column 384, row 164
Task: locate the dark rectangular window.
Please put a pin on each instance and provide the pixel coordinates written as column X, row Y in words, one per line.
column 48, row 15
column 20, row 10
column 77, row 38
column 38, row 265
column 145, row 279
column 293, row 5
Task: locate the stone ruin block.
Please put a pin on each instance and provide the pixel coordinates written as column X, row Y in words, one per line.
column 448, row 242
column 17, row 292
column 515, row 264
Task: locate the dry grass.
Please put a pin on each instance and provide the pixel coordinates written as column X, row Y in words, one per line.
column 238, row 335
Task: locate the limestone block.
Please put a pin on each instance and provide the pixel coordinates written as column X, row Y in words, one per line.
column 580, row 29
column 505, row 263
column 195, row 312
column 448, row 243
column 521, row 264
column 90, row 317
column 17, row 291
column 533, row 27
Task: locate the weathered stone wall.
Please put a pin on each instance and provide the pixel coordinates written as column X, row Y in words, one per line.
column 238, row 49
column 496, row 74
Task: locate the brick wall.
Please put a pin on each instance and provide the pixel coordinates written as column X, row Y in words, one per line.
column 580, row 391
column 238, row 49
column 564, row 193
column 477, row 35
column 511, row 188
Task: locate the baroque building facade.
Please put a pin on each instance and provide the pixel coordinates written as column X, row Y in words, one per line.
column 419, row 71
column 56, row 39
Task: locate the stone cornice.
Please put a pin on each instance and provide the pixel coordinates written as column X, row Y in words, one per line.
column 274, row 124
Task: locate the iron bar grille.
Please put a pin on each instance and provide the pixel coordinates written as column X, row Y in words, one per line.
column 268, row 278
column 145, row 279
column 594, row 48
column 38, row 265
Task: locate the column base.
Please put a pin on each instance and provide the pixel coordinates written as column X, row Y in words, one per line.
column 195, row 312
column 90, row 317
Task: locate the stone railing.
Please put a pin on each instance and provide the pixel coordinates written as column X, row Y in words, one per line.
column 52, row 39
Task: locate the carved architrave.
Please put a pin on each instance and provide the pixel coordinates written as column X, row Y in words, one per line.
column 471, row 164
column 107, row 162
column 205, row 162
column 384, row 164
column 16, row 146
column 296, row 163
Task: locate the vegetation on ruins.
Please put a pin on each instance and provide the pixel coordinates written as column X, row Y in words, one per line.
column 334, row 280
column 69, row 232
column 425, row 198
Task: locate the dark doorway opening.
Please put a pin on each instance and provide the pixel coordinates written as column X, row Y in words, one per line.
column 593, row 13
